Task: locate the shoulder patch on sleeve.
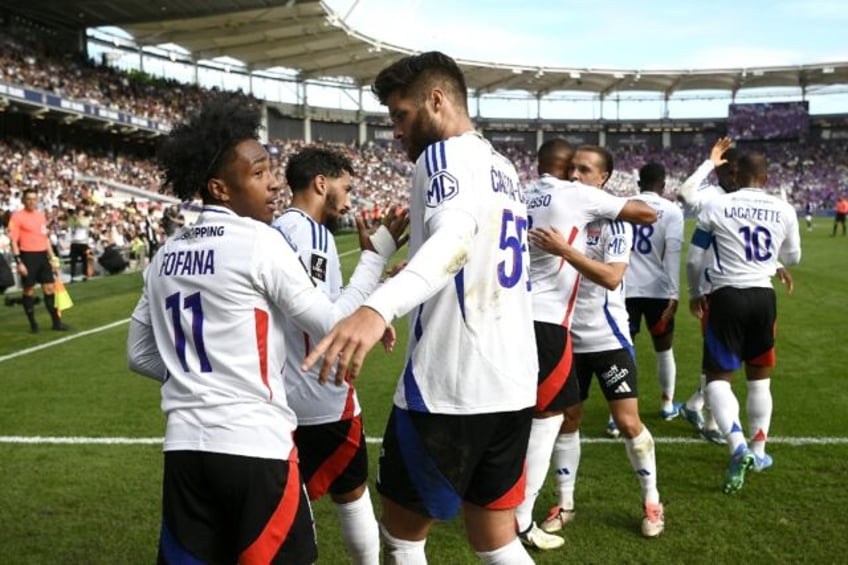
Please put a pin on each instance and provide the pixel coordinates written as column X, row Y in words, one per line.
column 443, row 186
column 318, row 267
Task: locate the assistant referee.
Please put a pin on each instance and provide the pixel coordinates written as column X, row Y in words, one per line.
column 36, row 262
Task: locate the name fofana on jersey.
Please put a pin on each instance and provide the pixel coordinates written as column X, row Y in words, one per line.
column 194, row 261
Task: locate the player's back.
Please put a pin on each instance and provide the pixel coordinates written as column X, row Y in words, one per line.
column 751, row 231
column 213, row 291
column 471, row 346
column 569, row 207
column 646, row 276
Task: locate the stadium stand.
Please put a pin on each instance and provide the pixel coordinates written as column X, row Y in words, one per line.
column 110, row 172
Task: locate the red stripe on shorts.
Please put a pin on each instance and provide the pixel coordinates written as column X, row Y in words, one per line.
column 336, row 463
column 554, row 382
column 267, row 545
column 514, row 496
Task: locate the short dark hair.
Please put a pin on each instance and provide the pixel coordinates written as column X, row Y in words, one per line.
column 26, row 191
column 310, row 162
column 196, row 150
column 651, row 176
column 416, row 74
column 550, row 153
column 753, row 169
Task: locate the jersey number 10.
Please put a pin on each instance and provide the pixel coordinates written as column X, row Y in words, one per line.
column 757, row 243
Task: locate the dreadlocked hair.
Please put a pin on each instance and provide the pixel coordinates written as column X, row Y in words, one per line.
column 197, row 149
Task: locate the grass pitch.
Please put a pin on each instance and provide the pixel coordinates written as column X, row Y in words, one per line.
column 84, row 502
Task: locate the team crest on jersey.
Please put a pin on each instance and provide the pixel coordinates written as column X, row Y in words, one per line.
column 443, row 186
column 319, row 267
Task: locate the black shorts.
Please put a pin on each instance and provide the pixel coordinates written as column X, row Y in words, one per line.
column 557, row 389
column 38, row 268
column 616, row 371
column 740, row 327
column 651, row 309
column 220, row 508
column 431, row 463
column 333, row 457
column 840, row 218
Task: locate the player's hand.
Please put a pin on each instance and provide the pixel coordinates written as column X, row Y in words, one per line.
column 55, row 264
column 786, row 278
column 364, row 236
column 550, row 240
column 22, row 270
column 722, row 145
column 396, row 221
column 669, row 311
column 389, row 339
column 346, row 345
column 698, row 306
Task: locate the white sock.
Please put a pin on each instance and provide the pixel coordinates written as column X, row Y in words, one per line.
column 709, row 419
column 759, row 408
column 402, row 552
column 725, row 409
column 667, row 374
column 642, row 455
column 360, row 531
column 696, row 401
column 543, row 434
column 512, row 553
column 566, row 461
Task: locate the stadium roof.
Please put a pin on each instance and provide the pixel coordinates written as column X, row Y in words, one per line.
column 305, row 35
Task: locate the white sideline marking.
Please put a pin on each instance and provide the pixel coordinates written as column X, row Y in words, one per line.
column 62, row 340
column 47, row 440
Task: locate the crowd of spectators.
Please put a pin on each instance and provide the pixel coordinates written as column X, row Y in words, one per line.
column 71, row 181
column 75, row 77
column 768, row 120
column 803, row 172
column 113, row 219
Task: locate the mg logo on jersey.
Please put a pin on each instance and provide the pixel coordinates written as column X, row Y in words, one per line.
column 617, row 246
column 443, row 186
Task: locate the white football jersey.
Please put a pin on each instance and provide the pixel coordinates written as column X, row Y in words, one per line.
column 316, row 403
column 654, row 270
column 569, row 207
column 600, row 320
column 471, row 344
column 695, row 192
column 749, row 232
column 215, row 296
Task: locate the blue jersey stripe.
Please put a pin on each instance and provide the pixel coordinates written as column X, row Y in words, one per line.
column 443, row 155
column 717, row 256
column 459, row 282
column 412, row 393
column 616, row 331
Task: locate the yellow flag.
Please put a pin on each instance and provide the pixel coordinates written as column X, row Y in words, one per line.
column 62, row 296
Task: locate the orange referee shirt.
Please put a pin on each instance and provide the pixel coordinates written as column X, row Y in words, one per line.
column 842, row 206
column 29, row 230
